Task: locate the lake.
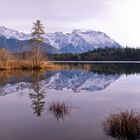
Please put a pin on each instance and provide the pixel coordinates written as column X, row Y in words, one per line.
column 71, row 103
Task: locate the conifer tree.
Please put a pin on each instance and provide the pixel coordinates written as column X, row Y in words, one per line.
column 37, row 40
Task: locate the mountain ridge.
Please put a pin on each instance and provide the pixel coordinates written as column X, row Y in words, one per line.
column 75, row 42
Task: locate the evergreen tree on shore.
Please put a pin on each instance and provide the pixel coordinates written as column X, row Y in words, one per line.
column 37, row 40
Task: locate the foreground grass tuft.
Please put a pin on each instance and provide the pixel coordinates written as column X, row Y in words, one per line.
column 124, row 125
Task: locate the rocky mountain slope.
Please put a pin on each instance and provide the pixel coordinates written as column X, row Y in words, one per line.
column 74, row 42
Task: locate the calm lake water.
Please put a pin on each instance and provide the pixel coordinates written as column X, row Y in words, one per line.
column 87, row 94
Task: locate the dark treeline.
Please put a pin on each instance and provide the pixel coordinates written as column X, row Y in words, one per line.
column 101, row 54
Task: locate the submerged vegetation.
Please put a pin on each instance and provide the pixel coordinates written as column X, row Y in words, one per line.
column 60, row 110
column 124, row 125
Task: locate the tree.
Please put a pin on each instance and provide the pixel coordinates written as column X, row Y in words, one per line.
column 37, row 40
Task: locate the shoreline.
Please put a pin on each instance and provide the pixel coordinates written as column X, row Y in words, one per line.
column 49, row 65
column 92, row 62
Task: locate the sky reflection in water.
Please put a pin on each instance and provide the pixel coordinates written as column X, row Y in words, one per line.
column 67, row 104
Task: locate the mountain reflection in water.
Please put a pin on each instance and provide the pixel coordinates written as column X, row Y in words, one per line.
column 75, row 78
column 65, row 104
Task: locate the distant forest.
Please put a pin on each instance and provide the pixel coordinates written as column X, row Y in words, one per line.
column 101, row 54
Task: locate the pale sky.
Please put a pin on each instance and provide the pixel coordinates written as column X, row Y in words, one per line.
column 120, row 19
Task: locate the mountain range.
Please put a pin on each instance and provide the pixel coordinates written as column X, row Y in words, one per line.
column 75, row 42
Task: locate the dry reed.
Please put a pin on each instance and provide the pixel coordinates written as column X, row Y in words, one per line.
column 124, row 125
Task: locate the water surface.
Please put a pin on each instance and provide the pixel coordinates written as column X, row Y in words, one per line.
column 88, row 92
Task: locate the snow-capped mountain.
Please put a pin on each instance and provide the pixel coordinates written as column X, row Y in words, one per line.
column 14, row 41
column 75, row 80
column 79, row 42
column 10, row 33
column 74, row 42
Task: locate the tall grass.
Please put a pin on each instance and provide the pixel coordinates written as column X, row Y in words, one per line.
column 26, row 64
column 9, row 60
column 124, row 125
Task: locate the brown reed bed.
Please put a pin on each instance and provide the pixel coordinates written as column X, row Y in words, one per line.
column 124, row 125
column 27, row 64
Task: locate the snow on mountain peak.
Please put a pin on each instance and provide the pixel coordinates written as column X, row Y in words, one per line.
column 75, row 42
column 10, row 33
column 78, row 41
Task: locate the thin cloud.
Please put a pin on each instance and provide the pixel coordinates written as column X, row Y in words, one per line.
column 118, row 18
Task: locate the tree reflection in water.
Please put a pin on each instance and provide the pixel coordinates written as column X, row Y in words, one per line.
column 124, row 125
column 60, row 110
column 37, row 97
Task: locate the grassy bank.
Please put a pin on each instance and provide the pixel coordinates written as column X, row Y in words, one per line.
column 27, row 64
